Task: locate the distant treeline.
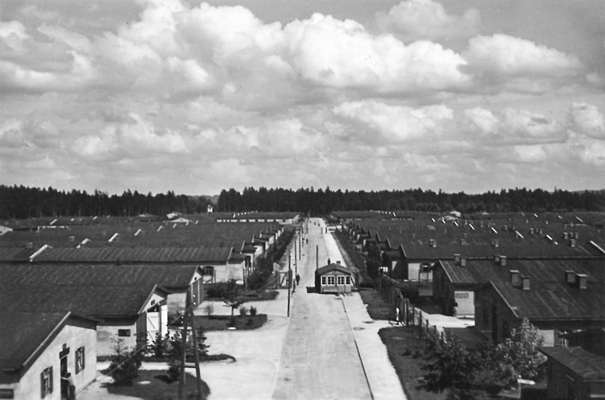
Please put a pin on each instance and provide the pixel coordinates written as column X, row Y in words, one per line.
column 322, row 201
column 24, row 202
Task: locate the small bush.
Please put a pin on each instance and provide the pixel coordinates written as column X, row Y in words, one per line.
column 243, row 311
column 125, row 367
column 253, row 311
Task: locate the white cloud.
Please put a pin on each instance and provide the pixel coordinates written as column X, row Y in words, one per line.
column 397, row 123
column 428, row 19
column 505, row 55
column 513, row 126
column 530, row 153
column 588, row 119
column 343, row 54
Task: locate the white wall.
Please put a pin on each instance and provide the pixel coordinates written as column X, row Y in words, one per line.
column 466, row 303
column 107, row 338
column 74, row 337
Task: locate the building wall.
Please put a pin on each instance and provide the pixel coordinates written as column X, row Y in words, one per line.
column 491, row 312
column 108, row 338
column 74, row 337
column 336, row 288
column 465, row 303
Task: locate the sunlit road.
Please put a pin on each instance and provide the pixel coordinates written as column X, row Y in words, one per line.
column 319, row 359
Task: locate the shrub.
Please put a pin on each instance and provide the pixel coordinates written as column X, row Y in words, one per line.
column 159, row 347
column 125, row 366
column 253, row 311
column 243, row 311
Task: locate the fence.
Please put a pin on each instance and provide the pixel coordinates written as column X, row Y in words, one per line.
column 404, row 311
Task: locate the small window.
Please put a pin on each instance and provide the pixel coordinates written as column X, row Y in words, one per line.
column 348, row 280
column 323, row 280
column 46, row 382
column 80, row 359
column 124, row 332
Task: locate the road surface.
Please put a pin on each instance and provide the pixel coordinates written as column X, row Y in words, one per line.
column 319, row 358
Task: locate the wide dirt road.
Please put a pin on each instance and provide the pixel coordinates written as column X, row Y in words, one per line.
column 319, row 359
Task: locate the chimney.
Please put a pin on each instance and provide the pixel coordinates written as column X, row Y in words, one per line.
column 525, row 283
column 515, row 277
column 456, row 258
column 565, row 235
column 576, row 235
column 432, row 243
column 463, row 261
column 496, row 259
column 572, row 242
column 503, row 261
column 582, row 281
column 570, row 277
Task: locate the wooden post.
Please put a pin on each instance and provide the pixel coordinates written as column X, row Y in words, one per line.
column 288, row 282
column 184, row 351
column 198, row 383
column 316, row 256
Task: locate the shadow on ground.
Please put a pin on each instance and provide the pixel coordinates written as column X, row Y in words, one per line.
column 149, row 385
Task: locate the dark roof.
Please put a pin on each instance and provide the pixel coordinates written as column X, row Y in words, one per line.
column 24, row 336
column 334, row 267
column 15, row 253
column 31, row 275
column 554, row 301
column 587, row 365
column 539, row 270
column 136, row 255
column 99, row 302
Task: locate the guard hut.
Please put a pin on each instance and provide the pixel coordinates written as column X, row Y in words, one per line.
column 334, row 278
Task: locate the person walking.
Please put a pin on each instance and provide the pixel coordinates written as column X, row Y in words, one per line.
column 297, row 279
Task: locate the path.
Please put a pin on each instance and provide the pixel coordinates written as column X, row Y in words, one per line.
column 319, row 359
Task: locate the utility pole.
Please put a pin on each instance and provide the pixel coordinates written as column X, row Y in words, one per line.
column 289, row 283
column 295, row 257
column 316, row 256
column 198, row 382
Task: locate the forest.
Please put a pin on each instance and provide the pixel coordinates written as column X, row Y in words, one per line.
column 322, row 201
column 24, row 202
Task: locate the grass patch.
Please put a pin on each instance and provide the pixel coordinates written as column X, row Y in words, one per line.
column 222, row 322
column 150, row 385
column 406, row 352
column 377, row 307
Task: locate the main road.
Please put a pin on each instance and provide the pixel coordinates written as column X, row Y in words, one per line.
column 319, row 357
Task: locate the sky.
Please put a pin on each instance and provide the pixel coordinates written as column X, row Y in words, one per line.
column 190, row 96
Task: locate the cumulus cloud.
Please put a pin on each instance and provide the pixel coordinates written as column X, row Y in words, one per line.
column 588, row 119
column 174, row 85
column 397, row 123
column 530, row 153
column 513, row 126
column 135, row 138
column 505, row 55
column 428, row 19
column 341, row 54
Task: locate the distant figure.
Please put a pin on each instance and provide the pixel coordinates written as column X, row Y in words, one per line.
column 297, row 279
column 307, row 241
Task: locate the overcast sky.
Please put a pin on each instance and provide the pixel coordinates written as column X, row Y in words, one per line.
column 194, row 97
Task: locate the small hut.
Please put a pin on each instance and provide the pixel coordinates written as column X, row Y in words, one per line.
column 334, row 278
